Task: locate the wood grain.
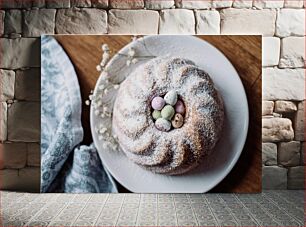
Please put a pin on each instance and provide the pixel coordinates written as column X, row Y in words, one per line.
column 244, row 52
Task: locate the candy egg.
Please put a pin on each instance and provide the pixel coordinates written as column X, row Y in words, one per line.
column 179, row 107
column 167, row 112
column 177, row 121
column 157, row 103
column 156, row 114
column 163, row 125
column 171, row 97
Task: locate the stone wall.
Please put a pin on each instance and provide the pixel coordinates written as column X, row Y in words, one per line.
column 281, row 22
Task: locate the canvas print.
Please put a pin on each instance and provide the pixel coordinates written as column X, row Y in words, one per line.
column 150, row 114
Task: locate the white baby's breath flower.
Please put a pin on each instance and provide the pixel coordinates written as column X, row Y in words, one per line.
column 128, row 62
column 97, row 112
column 116, row 86
column 90, row 97
column 105, row 47
column 100, row 137
column 99, row 68
column 131, row 52
column 87, row 102
column 134, row 60
column 101, row 87
column 99, row 103
column 106, row 91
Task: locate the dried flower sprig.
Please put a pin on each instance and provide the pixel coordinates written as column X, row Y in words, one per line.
column 101, row 100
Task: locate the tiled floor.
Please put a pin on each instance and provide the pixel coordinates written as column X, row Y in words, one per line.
column 271, row 208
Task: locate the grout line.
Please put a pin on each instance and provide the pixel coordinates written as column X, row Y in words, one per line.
column 238, row 221
column 173, row 200
column 213, row 214
column 248, row 211
column 138, row 209
column 39, row 212
column 194, row 215
column 99, row 215
column 81, row 210
column 120, row 209
column 279, row 207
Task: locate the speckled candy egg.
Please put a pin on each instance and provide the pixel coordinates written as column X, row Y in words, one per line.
column 179, row 107
column 177, row 121
column 157, row 103
column 156, row 114
column 167, row 112
column 171, row 98
column 163, row 125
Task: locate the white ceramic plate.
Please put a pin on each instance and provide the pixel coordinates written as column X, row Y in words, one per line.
column 221, row 161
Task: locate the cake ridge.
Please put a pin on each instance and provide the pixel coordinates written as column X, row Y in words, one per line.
column 179, row 150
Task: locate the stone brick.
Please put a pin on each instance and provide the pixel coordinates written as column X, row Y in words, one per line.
column 26, row 179
column 290, row 22
column 303, row 160
column 99, row 3
column 269, row 154
column 293, row 52
column 177, row 21
column 13, row 21
column 7, row 82
column 261, row 4
column 38, row 3
column 270, row 51
column 55, row 4
column 81, row 21
column 2, row 15
column 299, row 122
column 9, row 179
column 20, row 53
column 24, row 122
column 293, row 4
column 33, row 154
column 3, row 121
column 267, row 107
column 283, row 84
column 13, row 155
column 27, row 86
column 208, row 22
column 80, row 3
column 221, row 3
column 39, row 22
column 285, row 107
column 248, row 21
column 242, row 4
column 296, row 177
column 133, row 22
column 159, row 4
column 15, row 4
column 274, row 177
column 277, row 129
column 192, row 4
column 289, row 153
column 126, row 4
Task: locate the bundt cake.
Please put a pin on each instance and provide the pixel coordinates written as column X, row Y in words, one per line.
column 167, row 115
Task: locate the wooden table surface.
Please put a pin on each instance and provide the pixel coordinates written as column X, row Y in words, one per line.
column 244, row 52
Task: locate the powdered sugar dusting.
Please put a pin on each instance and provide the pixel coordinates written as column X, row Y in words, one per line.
column 179, row 150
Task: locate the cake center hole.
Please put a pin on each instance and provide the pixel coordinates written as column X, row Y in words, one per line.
column 168, row 111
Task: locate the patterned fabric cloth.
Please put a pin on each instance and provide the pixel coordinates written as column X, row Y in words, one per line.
column 67, row 166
